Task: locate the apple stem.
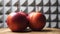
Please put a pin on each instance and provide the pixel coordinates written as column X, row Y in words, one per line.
column 37, row 9
column 18, row 6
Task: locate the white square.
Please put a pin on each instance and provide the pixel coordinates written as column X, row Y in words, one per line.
column 59, row 17
column 6, row 1
column 53, row 9
column 53, row 17
column 59, row 2
column 45, row 8
column 6, row 9
column 23, row 8
column 47, row 16
column 10, row 9
column 53, row 24
column 1, row 17
column 47, row 24
column 1, row 2
column 45, row 2
column 38, row 2
column 30, row 2
column 53, row 2
column 30, row 8
column 1, row 10
column 1, row 25
column 58, row 9
column 22, row 2
column 14, row 1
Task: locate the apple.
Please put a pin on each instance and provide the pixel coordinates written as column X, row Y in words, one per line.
column 36, row 21
column 17, row 21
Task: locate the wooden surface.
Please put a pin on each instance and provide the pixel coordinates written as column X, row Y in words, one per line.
column 44, row 31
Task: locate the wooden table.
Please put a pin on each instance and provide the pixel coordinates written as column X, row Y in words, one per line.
column 44, row 31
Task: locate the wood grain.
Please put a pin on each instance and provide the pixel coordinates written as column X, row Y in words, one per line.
column 44, row 31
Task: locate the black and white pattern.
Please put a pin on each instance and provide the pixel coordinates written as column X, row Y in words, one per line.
column 50, row 8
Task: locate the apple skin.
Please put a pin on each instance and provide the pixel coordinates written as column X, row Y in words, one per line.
column 37, row 21
column 17, row 21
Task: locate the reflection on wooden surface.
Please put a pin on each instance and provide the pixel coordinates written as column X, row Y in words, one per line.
column 44, row 31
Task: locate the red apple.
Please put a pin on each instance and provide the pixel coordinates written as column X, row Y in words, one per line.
column 17, row 21
column 36, row 21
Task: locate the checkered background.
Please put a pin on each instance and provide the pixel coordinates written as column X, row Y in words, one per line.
column 50, row 8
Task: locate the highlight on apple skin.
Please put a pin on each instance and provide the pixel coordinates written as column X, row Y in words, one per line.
column 17, row 21
column 37, row 21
